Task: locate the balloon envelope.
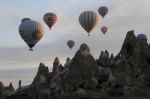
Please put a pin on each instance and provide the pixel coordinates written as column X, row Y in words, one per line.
column 50, row 19
column 104, row 29
column 31, row 32
column 103, row 11
column 25, row 19
column 70, row 44
column 88, row 20
column 142, row 37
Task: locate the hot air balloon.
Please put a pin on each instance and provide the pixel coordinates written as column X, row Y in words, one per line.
column 103, row 11
column 104, row 29
column 141, row 37
column 70, row 44
column 88, row 20
column 31, row 32
column 24, row 19
column 50, row 19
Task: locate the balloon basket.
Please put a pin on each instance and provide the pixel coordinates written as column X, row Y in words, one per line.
column 30, row 49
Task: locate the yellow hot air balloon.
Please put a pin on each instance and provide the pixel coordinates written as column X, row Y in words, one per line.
column 31, row 32
column 88, row 20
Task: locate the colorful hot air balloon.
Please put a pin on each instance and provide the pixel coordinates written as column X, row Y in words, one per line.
column 50, row 19
column 88, row 20
column 104, row 29
column 103, row 11
column 31, row 32
column 70, row 44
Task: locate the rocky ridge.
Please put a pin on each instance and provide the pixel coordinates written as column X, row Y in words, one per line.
column 84, row 77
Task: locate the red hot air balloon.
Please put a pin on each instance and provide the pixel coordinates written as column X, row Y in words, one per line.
column 50, row 19
column 104, row 29
column 70, row 44
column 103, row 11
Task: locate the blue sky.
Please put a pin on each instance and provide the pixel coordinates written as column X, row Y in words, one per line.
column 124, row 15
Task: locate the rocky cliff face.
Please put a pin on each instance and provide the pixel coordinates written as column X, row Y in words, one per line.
column 85, row 77
column 6, row 91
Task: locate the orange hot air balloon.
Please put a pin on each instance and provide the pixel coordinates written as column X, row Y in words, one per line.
column 104, row 29
column 88, row 20
column 50, row 19
column 70, row 44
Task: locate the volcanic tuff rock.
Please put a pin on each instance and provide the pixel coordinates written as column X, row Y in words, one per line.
column 6, row 91
column 84, row 77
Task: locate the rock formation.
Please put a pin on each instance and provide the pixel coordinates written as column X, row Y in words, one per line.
column 6, row 91
column 84, row 77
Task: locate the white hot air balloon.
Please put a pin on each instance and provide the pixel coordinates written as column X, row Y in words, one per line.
column 31, row 32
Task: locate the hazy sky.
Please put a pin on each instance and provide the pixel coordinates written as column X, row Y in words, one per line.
column 124, row 15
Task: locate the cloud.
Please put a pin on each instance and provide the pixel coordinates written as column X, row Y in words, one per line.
column 21, row 57
column 26, row 75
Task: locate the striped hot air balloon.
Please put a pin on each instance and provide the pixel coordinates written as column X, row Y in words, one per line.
column 50, row 19
column 31, row 32
column 88, row 20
